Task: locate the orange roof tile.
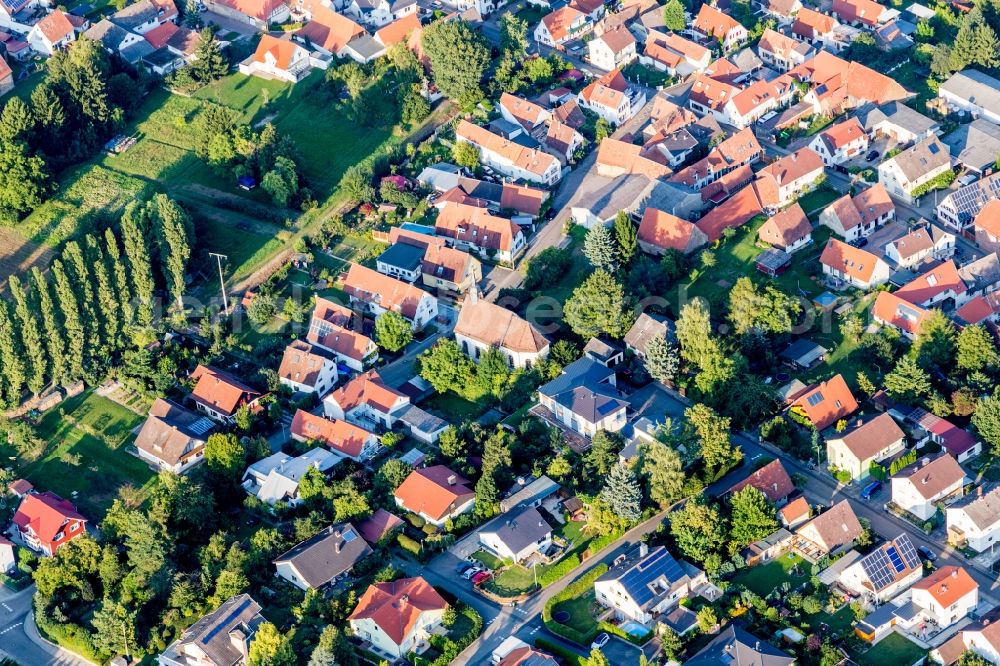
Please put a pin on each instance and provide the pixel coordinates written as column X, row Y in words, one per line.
column 711, row 21
column 790, row 168
column 863, row 11
column 899, row 313
column 947, row 585
column 630, row 158
column 282, row 50
column 340, row 436
column 849, row 260
column 667, row 231
column 733, row 212
column 5, row 70
column 477, row 226
column 711, row 93
column 523, row 199
column 391, row 294
column 827, row 403
column 367, row 389
column 779, row 44
column 795, row 509
column 258, row 9
column 55, row 26
column 161, row 34
column 433, row 491
column 772, row 479
column 932, row 283
column 497, row 326
column 841, row 134
column 608, row 90
column 220, row 391
column 46, row 514
column 988, row 218
column 618, row 39
column 558, row 22
column 401, row 30
column 534, row 161
column 760, row 93
column 786, row 228
column 979, row 309
column 810, row 23
column 527, row 114
column 330, row 30
column 396, row 607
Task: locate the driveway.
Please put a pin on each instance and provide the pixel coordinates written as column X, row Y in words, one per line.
column 19, row 638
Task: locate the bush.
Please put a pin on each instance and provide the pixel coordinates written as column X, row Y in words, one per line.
column 570, row 657
column 575, row 589
column 408, row 544
column 416, row 520
column 558, row 570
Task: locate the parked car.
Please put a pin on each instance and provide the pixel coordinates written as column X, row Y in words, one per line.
column 463, row 567
column 599, row 642
column 480, row 577
column 859, row 242
column 871, row 490
column 926, row 553
column 872, row 156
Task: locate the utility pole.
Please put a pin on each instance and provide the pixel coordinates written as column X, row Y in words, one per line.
column 222, row 283
column 125, row 636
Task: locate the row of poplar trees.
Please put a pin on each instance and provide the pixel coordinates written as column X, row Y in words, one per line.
column 97, row 298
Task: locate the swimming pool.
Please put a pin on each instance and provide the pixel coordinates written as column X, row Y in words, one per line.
column 634, row 629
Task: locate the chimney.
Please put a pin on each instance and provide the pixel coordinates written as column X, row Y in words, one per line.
column 238, row 637
column 979, row 491
column 452, row 480
column 404, row 599
column 923, row 481
column 925, row 461
column 643, row 549
column 474, row 294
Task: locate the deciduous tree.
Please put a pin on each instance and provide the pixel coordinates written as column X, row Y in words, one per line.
column 698, row 529
column 459, row 58
column 392, row 331
column 752, row 517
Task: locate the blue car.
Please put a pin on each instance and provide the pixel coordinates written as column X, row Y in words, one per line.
column 871, row 490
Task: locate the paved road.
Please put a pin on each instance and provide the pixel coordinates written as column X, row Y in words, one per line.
column 19, row 637
column 524, row 621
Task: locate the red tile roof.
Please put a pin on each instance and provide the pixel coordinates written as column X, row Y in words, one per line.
column 47, row 515
column 339, row 436
column 827, row 403
column 433, row 491
column 948, row 585
column 899, row 313
column 666, row 231
column 711, row 21
column 733, row 212
column 220, row 391
column 389, row 293
column 366, row 389
column 849, row 260
column 786, row 228
column 933, row 283
column 772, row 479
column 396, row 607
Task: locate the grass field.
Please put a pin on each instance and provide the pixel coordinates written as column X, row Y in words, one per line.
column 893, row 649
column 85, row 453
column 839, row 623
column 764, row 578
column 578, row 608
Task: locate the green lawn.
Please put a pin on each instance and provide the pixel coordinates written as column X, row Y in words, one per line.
column 893, row 649
column 839, row 623
column 815, row 201
column 490, row 560
column 578, row 608
column 85, row 453
column 763, row 579
column 511, row 582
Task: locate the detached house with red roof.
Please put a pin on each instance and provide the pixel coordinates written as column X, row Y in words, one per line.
column 307, row 368
column 946, row 596
column 332, row 328
column 853, row 217
column 508, row 157
column 381, row 293
column 366, row 401
column 436, row 494
column 898, row 313
column 280, row 59
column 613, row 49
column 47, row 522
column 563, row 25
column 475, row 229
column 851, row 266
column 939, row 284
column 396, row 617
column 660, row 231
column 6, row 77
column 817, row 28
column 772, row 479
column 826, row 403
column 789, row 230
column 257, row 13
column 711, row 22
column 612, row 98
column 863, row 13
column 781, row 182
column 55, row 31
column 840, row 142
column 220, row 395
column 756, row 100
column 349, row 440
column 671, row 53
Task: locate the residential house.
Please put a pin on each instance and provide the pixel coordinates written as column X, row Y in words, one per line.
column 789, row 230
column 619, row 158
column 856, row 450
column 8, row 559
column 946, row 595
column 772, row 479
column 221, row 638
column 483, row 325
column 562, row 140
column 367, row 402
column 794, row 513
column 853, row 217
column 55, row 31
column 329, row 31
column 646, row 327
column 46, row 522
column 761, row 97
column 885, row 572
column 396, row 617
column 660, row 231
column 258, row 13
column 919, row 488
column 673, row 54
column 987, row 226
column 904, row 174
column 594, row 9
column 407, row 30
column 276, row 478
column 782, row 52
column 643, row 584
column 331, row 328
column 307, row 368
column 959, row 442
column 379, row 526
column 712, row 22
column 561, row 26
column 525, row 655
column 919, row 245
column 838, row 85
column 220, row 395
column 402, row 261
column 527, row 492
column 436, row 494
column 280, row 59
column 342, row 437
column 322, row 559
column 782, row 10
column 826, row 403
column 585, row 398
column 675, row 147
column 476, row 230
column 612, row 98
column 449, row 269
column 145, row 16
column 970, row 91
column 974, row 520
column 733, row 645
column 6, row 77
column 529, row 116
column 174, row 48
column 979, row 309
column 863, row 13
column 817, row 29
column 841, row 142
column 981, row 637
column 898, row 313
column 896, row 121
column 781, row 182
column 709, row 95
column 739, row 150
column 172, row 437
column 517, row 535
column 834, row 530
column 733, row 213
column 958, row 209
column 613, row 49
column 381, row 293
column 852, row 266
column 378, row 13
column 508, row 157
column 935, row 286
column 981, row 276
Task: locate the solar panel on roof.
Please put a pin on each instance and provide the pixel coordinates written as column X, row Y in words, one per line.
column 658, row 564
column 815, row 399
column 893, row 556
column 202, row 425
